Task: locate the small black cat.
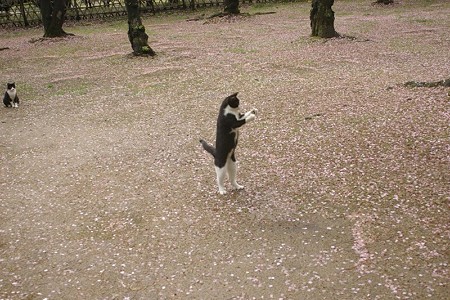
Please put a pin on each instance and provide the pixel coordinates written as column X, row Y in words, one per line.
column 11, row 99
column 227, row 135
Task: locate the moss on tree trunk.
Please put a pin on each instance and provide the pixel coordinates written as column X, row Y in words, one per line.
column 322, row 19
column 136, row 31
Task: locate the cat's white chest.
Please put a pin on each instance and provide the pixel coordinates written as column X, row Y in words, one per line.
column 12, row 93
column 231, row 111
column 235, row 113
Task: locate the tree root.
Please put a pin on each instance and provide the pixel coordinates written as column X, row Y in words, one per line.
column 385, row 2
column 429, row 84
column 346, row 37
column 224, row 14
column 52, row 39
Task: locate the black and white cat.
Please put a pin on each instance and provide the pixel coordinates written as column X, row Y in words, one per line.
column 228, row 123
column 11, row 99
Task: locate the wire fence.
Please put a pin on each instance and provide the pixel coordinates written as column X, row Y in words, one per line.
column 22, row 13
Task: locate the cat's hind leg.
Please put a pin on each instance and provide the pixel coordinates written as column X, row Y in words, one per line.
column 231, row 168
column 221, row 173
column 6, row 101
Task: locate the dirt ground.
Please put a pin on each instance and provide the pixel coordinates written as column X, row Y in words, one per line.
column 106, row 193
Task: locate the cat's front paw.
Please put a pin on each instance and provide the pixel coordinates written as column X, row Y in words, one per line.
column 254, row 111
column 250, row 118
column 238, row 186
column 222, row 192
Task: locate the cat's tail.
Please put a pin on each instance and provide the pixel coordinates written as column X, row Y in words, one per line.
column 210, row 149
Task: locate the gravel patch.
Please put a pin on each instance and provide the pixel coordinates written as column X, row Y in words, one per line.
column 107, row 194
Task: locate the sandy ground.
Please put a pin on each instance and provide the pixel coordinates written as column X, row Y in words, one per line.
column 106, row 193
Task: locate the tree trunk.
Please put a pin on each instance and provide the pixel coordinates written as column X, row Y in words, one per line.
column 192, row 4
column 231, row 7
column 136, row 31
column 24, row 15
column 46, row 12
column 53, row 15
column 322, row 19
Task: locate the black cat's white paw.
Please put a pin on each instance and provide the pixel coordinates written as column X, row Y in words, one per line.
column 250, row 118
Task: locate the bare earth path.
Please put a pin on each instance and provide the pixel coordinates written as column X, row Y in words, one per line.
column 106, row 194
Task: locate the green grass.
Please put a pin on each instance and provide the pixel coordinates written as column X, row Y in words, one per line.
column 71, row 86
column 82, row 29
column 408, row 44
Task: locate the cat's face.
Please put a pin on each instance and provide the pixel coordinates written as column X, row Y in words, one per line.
column 233, row 100
column 11, row 86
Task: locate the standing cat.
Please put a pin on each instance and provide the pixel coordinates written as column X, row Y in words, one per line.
column 227, row 135
column 10, row 99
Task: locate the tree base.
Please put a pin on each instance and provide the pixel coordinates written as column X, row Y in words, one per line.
column 144, row 53
column 58, row 34
column 139, row 42
column 135, row 55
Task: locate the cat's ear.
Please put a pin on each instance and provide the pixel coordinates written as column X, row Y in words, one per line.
column 234, row 95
